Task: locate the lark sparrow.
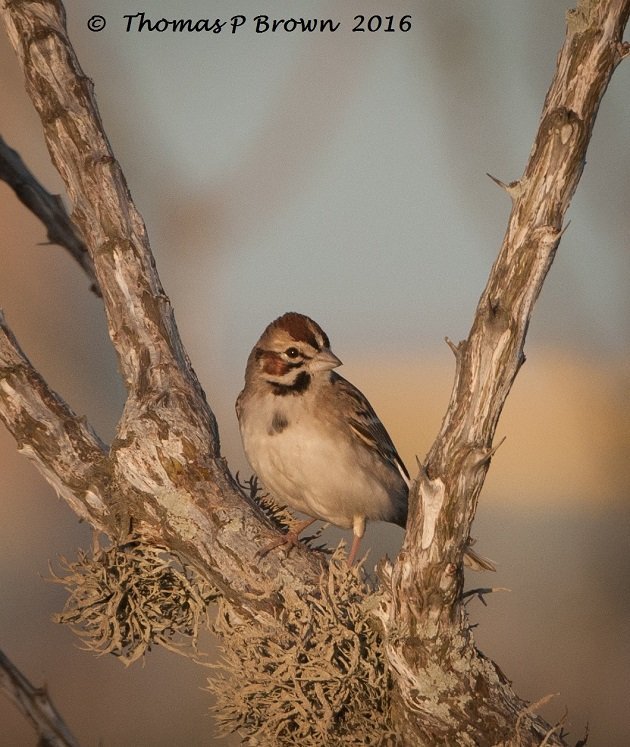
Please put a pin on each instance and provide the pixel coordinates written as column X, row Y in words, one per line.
column 314, row 440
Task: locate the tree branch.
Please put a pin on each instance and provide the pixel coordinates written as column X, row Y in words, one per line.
column 140, row 318
column 62, row 445
column 36, row 705
column 48, row 208
column 427, row 579
column 166, row 470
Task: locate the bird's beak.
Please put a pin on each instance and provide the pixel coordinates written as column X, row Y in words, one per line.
column 325, row 360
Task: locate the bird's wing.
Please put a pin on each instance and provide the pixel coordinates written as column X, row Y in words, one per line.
column 365, row 424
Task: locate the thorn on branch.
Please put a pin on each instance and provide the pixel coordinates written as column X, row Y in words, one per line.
column 456, row 348
column 563, row 230
column 421, row 468
column 474, row 560
column 487, row 455
column 513, row 189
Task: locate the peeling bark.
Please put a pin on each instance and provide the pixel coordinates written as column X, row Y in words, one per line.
column 426, row 581
column 163, row 469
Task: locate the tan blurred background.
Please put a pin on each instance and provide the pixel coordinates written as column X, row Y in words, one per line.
column 343, row 176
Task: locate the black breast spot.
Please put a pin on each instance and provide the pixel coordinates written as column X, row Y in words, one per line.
column 278, row 423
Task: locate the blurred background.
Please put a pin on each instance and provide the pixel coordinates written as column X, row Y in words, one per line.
column 344, row 176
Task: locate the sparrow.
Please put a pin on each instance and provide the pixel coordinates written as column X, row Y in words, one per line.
column 313, row 439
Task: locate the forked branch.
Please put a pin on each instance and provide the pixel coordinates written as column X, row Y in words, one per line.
column 164, row 470
column 488, row 361
column 426, row 581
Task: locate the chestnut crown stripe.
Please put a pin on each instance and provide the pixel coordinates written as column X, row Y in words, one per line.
column 302, row 329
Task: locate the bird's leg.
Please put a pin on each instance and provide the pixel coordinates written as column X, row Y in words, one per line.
column 358, row 528
column 354, row 549
column 290, row 539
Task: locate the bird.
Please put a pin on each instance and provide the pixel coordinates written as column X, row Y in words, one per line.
column 313, row 439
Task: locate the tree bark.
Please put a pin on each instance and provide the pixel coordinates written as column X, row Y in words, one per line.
column 164, row 467
column 164, row 473
column 426, row 581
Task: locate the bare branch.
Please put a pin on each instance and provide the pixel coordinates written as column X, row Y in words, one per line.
column 63, row 446
column 427, row 579
column 36, row 705
column 166, row 470
column 47, row 207
column 491, row 357
column 481, row 593
column 513, row 188
column 140, row 318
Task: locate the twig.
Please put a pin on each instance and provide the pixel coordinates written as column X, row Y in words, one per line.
column 481, row 592
column 47, row 207
column 36, row 705
column 529, row 711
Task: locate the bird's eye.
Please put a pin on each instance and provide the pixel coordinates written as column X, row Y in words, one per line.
column 292, row 352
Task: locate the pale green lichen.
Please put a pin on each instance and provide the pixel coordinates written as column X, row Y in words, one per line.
column 128, row 597
column 318, row 677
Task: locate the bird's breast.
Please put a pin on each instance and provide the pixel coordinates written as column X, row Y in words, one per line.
column 319, row 469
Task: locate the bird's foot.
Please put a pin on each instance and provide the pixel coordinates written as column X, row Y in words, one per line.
column 289, row 540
